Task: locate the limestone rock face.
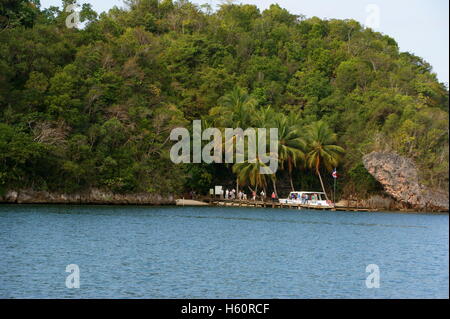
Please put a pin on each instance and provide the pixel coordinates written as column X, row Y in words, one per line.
column 93, row 196
column 399, row 177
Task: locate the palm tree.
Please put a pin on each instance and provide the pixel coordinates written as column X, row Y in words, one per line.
column 265, row 116
column 322, row 150
column 249, row 172
column 290, row 146
column 236, row 109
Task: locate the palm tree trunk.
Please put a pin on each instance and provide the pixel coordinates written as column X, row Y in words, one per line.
column 290, row 175
column 237, row 185
column 290, row 180
column 321, row 183
column 274, row 182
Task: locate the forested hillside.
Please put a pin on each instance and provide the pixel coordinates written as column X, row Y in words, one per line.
column 94, row 107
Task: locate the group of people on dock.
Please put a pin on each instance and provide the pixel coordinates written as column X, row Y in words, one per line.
column 231, row 194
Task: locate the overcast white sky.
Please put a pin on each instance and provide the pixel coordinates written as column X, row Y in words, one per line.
column 418, row 26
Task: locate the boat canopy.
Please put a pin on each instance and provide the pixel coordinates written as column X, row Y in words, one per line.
column 309, row 195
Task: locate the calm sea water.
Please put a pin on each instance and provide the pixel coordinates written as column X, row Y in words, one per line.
column 141, row 252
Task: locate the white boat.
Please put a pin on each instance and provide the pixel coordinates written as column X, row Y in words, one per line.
column 307, row 198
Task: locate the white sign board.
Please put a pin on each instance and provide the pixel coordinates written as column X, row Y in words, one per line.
column 218, row 190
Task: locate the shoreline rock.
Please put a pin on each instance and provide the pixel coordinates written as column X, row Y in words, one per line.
column 400, row 180
column 98, row 197
column 92, row 197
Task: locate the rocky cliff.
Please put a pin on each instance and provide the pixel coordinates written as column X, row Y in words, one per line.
column 93, row 196
column 399, row 177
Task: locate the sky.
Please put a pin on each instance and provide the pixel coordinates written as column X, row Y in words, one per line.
column 419, row 26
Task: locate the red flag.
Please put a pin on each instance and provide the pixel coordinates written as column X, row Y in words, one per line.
column 335, row 174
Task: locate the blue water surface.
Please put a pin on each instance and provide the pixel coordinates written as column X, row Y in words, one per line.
column 183, row 252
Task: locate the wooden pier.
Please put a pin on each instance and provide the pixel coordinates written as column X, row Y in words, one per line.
column 276, row 204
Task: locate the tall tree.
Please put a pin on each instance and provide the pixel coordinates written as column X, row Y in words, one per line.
column 235, row 110
column 249, row 172
column 322, row 150
column 18, row 12
column 291, row 145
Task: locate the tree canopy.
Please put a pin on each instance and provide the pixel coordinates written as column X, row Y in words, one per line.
column 94, row 107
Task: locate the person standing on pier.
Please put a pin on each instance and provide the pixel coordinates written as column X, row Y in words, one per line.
column 274, row 196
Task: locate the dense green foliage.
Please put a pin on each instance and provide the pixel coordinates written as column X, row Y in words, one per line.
column 94, row 107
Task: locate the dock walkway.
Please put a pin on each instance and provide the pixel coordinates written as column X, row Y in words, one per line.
column 275, row 204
